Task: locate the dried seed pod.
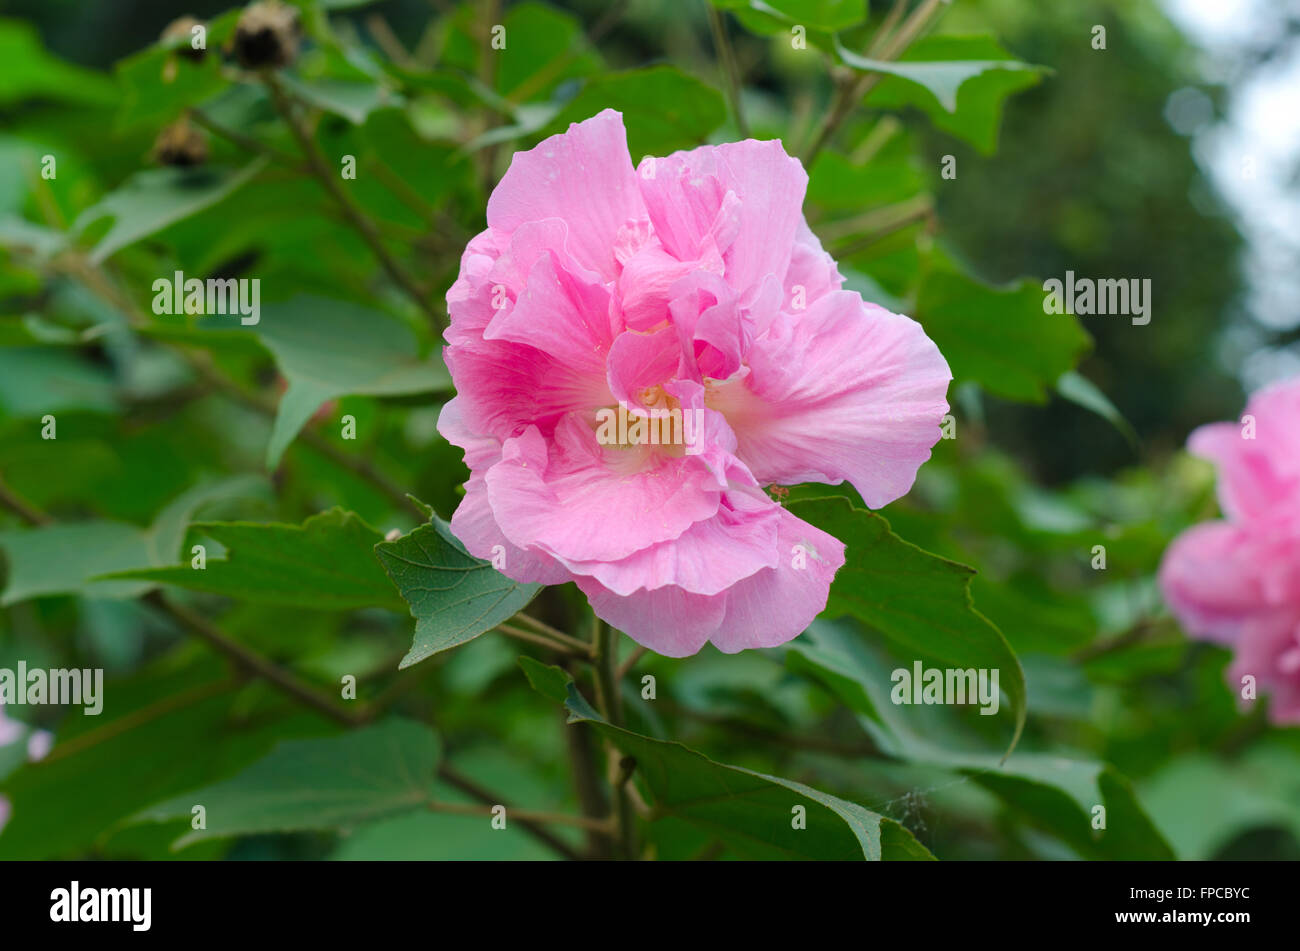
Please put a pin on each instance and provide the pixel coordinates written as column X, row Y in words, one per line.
column 181, row 32
column 181, row 144
column 266, row 35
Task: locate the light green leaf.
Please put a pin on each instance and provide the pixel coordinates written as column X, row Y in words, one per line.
column 327, row 563
column 329, row 348
column 823, row 16
column 454, row 597
column 749, row 812
column 151, row 200
column 919, row 601
column 941, row 79
column 328, row 783
column 978, row 99
column 158, row 86
column 32, row 73
column 837, row 183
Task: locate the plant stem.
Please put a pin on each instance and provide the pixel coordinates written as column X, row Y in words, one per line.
column 851, row 93
column 619, row 768
column 533, row 638
column 631, row 662
column 357, row 465
column 21, row 507
column 358, row 218
column 541, row 627
column 727, row 56
column 251, row 662
column 530, row 815
column 247, row 143
column 468, row 786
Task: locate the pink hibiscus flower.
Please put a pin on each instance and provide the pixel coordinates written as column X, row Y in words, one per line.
column 637, row 352
column 1237, row 582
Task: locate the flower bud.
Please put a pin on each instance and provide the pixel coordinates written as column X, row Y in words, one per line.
column 266, row 35
column 181, row 144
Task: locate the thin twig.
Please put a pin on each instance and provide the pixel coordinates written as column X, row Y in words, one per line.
column 531, row 815
column 631, row 662
column 21, row 507
column 852, row 92
column 727, row 57
column 468, row 786
column 520, row 634
column 541, row 627
column 251, row 661
column 245, row 142
column 284, row 104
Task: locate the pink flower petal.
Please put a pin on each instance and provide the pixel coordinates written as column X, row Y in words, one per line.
column 846, row 390
column 583, row 176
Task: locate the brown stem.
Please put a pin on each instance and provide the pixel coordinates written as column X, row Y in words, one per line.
column 851, row 93
column 531, row 815
column 358, row 218
column 473, row 789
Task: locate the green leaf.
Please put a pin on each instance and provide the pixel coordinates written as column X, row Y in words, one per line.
column 158, row 86
column 32, row 73
column 1081, row 391
column 940, row 79
column 72, row 557
column 35, row 381
column 329, row 348
column 454, row 597
column 978, row 100
column 326, row 563
column 130, row 755
column 440, row 836
column 545, row 46
column 352, row 100
column 1256, row 791
column 915, row 599
column 837, row 183
column 823, row 16
column 328, row 783
column 749, row 812
column 151, row 200
column 1058, row 792
column 663, row 108
column 999, row 337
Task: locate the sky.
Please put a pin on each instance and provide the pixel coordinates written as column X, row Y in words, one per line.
column 1252, row 154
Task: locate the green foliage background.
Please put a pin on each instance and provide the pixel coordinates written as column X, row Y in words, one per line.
column 223, row 685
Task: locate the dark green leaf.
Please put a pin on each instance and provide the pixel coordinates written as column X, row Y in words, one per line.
column 999, row 337
column 327, row 783
column 454, row 597
column 327, row 563
column 749, row 812
column 916, row 599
